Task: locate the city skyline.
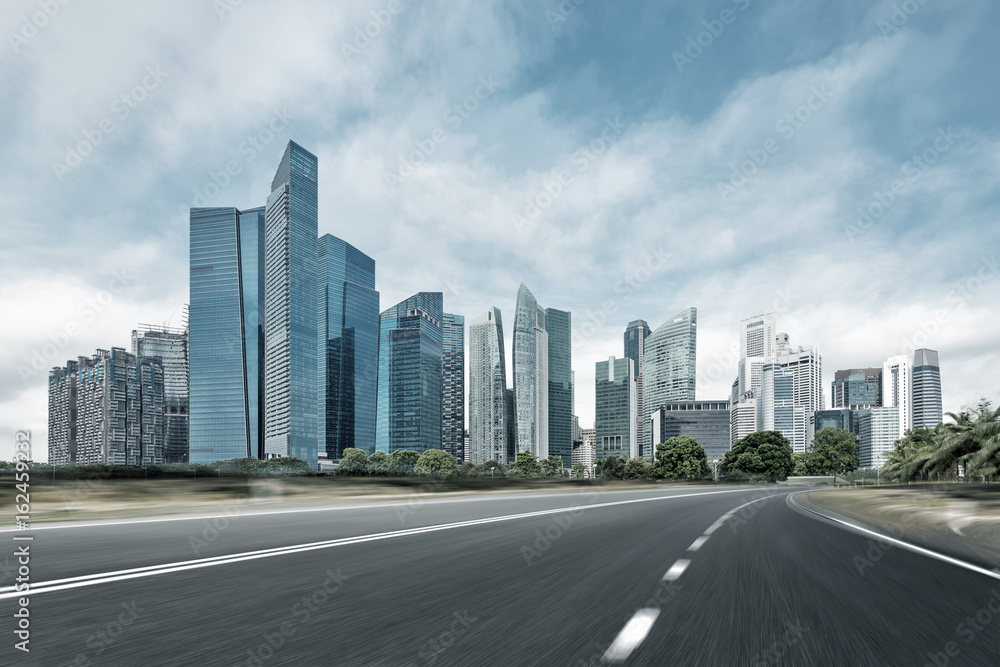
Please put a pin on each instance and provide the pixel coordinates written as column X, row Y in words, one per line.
column 789, row 235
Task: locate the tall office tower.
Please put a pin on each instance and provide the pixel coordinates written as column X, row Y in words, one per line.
column 879, row 430
column 531, row 375
column 758, row 343
column 708, row 422
column 669, row 363
column 107, row 409
column 806, row 366
column 846, row 419
column 857, row 387
column 410, row 375
column 927, row 411
column 171, row 345
column 511, row 406
column 453, row 385
column 897, row 390
column 636, row 334
column 743, row 417
column 226, row 334
column 577, row 432
column 291, row 320
column 558, row 324
column 615, row 408
column 348, row 348
column 777, row 408
column 488, row 425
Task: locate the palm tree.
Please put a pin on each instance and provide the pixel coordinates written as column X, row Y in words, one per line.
column 985, row 432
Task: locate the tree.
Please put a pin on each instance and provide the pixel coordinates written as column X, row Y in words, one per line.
column 681, row 457
column 762, row 455
column 833, row 451
column 468, row 469
column 492, row 468
column 525, row 465
column 436, row 463
column 552, row 466
column 403, row 461
column 579, row 471
column 379, row 464
column 610, row 468
column 800, row 464
column 636, row 469
column 353, row 463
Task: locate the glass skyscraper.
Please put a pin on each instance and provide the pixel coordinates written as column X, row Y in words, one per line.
column 348, row 348
column 291, row 320
column 669, row 364
column 927, row 410
column 226, row 334
column 708, row 422
column 615, row 409
column 410, row 375
column 635, row 349
column 531, row 375
column 558, row 325
column 453, row 385
column 488, row 425
column 857, row 387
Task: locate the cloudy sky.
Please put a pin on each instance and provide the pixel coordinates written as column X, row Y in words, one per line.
column 835, row 162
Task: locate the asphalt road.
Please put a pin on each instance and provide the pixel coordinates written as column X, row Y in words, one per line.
column 655, row 577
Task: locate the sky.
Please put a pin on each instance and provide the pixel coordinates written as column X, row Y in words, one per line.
column 836, row 163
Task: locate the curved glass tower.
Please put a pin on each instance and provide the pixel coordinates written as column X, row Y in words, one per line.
column 531, row 375
column 487, row 389
column 668, row 366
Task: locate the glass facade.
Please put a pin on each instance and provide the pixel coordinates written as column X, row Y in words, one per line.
column 531, row 375
column 857, row 387
column 669, row 363
column 348, row 348
column 225, row 333
column 708, row 422
column 488, row 425
column 558, row 325
column 879, row 430
column 615, row 409
column 291, row 333
column 635, row 345
column 927, row 410
column 842, row 418
column 453, row 385
column 410, row 378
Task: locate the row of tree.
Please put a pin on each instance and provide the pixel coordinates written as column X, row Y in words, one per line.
column 969, row 442
column 440, row 464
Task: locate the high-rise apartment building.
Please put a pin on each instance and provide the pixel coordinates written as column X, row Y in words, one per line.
column 615, row 409
column 558, row 325
column 348, row 348
column 857, row 387
column 488, row 427
column 777, row 408
column 669, row 363
column 226, row 334
column 708, row 422
column 636, row 334
column 879, row 430
column 897, row 390
column 291, row 320
column 531, row 375
column 171, row 346
column 453, row 385
column 107, row 409
column 927, row 410
column 410, row 375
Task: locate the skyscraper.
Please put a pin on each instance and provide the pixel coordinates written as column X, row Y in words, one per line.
column 558, row 324
column 669, row 363
column 897, row 390
column 615, row 408
column 488, row 426
column 857, row 387
column 531, row 375
column 777, row 409
column 708, row 422
column 410, row 375
column 291, row 323
column 927, row 410
column 226, row 334
column 348, row 348
column 171, row 346
column 453, row 385
column 879, row 430
column 758, row 342
column 635, row 346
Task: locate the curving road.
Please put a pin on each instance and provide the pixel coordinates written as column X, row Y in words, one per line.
column 681, row 576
